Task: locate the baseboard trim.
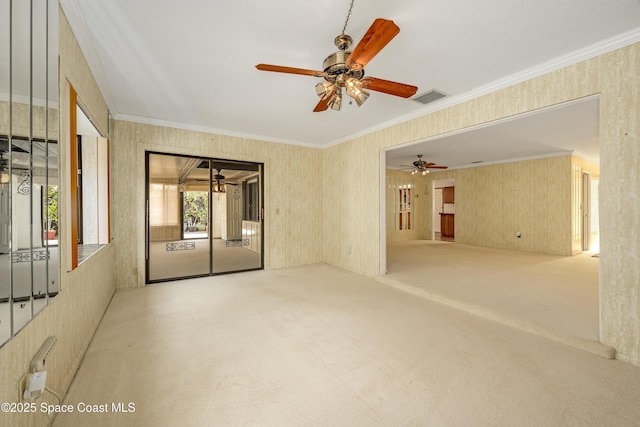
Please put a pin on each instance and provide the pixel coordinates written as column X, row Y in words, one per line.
column 633, row 360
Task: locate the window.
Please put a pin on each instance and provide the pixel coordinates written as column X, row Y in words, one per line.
column 163, row 205
column 89, row 173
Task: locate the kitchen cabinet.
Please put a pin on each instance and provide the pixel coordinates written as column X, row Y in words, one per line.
column 448, row 194
column 447, row 225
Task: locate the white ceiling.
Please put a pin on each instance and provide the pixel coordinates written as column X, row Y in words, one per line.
column 191, row 64
column 570, row 128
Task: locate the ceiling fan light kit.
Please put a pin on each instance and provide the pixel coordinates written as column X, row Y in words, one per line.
column 422, row 167
column 344, row 69
column 218, row 186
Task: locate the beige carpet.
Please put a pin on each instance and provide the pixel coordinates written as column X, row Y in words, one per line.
column 318, row 346
column 553, row 296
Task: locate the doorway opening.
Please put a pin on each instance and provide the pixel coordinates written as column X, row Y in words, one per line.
column 488, row 266
column 590, row 219
column 444, row 210
column 203, row 216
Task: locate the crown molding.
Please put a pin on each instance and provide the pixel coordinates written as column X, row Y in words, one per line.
column 207, row 129
column 604, row 46
column 73, row 12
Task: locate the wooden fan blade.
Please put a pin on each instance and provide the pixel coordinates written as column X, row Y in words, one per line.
column 324, row 102
column 387, row 86
column 290, row 70
column 437, row 167
column 381, row 32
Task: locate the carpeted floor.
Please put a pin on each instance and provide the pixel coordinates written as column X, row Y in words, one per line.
column 319, row 346
column 553, row 296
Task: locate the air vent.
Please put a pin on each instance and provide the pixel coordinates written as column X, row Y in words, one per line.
column 430, row 96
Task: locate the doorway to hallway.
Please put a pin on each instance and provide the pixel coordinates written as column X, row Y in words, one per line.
column 203, row 216
column 444, row 209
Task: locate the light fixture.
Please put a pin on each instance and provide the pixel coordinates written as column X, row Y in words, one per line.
column 354, row 90
column 218, row 186
column 336, row 101
column 341, row 76
column 345, row 68
column 324, row 89
column 5, row 177
column 422, row 167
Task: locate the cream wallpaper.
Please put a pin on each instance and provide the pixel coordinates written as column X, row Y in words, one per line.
column 615, row 77
column 495, row 202
column 21, row 120
column 293, row 185
column 75, row 313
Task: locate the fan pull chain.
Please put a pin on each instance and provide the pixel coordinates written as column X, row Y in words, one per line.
column 346, row 21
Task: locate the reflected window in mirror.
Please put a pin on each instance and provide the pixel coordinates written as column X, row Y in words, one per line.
column 28, row 214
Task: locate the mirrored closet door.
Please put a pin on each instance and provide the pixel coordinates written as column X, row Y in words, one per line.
column 203, row 216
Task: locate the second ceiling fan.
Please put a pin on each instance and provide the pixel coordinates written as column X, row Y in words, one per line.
column 345, row 69
column 422, row 167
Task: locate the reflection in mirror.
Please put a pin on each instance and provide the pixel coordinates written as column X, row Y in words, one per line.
column 5, row 256
column 203, row 216
column 28, row 160
column 93, row 187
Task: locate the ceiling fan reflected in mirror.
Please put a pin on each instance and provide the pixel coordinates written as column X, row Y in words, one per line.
column 218, row 185
column 344, row 69
column 422, row 167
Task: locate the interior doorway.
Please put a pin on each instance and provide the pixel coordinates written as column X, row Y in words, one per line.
column 570, row 297
column 203, row 216
column 444, row 210
column 589, row 203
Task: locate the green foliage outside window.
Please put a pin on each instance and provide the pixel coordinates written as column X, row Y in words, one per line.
column 196, row 207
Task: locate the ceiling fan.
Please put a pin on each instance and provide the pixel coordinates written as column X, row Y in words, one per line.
column 422, row 167
column 345, row 69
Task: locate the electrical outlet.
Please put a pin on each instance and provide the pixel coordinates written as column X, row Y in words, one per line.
column 35, row 385
column 348, row 249
column 22, row 386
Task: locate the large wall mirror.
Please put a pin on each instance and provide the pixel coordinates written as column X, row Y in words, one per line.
column 29, row 134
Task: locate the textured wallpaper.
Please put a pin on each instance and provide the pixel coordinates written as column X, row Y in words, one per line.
column 495, row 202
column 21, row 119
column 352, row 232
column 293, row 189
